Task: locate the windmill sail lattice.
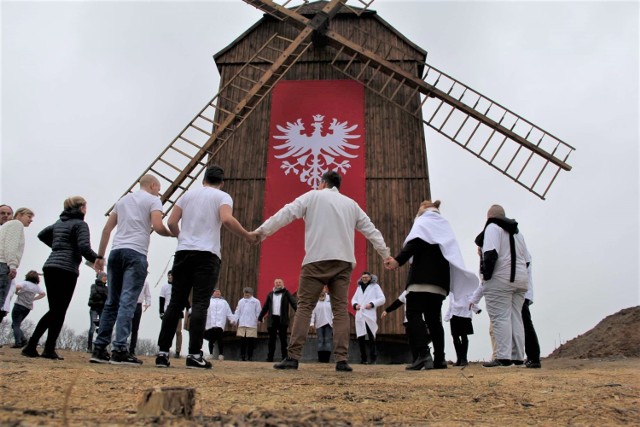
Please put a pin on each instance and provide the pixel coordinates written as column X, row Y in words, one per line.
column 182, row 161
column 509, row 143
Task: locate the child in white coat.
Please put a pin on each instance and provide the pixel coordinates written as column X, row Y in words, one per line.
column 246, row 315
column 459, row 317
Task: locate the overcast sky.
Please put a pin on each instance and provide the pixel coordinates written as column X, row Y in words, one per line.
column 93, row 91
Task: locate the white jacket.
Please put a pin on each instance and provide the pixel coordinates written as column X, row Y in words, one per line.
column 322, row 313
column 247, row 312
column 145, row 295
column 218, row 314
column 367, row 316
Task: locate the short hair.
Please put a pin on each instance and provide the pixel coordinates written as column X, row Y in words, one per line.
column 496, row 211
column 248, row 290
column 74, row 202
column 10, row 208
column 332, row 179
column 214, row 175
column 170, row 272
column 147, row 180
column 22, row 211
column 32, row 276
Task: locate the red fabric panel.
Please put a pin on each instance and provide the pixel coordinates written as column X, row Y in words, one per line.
column 313, row 105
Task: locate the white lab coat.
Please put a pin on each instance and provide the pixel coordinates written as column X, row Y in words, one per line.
column 367, row 316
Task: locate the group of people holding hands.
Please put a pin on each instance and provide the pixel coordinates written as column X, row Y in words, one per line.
column 331, row 219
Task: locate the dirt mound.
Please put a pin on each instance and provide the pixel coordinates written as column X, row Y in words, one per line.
column 617, row 335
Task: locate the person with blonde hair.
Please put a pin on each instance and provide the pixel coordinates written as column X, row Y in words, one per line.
column 70, row 241
column 11, row 250
column 437, row 268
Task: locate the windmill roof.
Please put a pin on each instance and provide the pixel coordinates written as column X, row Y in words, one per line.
column 310, row 9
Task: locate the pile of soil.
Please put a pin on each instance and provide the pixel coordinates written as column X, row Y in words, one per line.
column 615, row 336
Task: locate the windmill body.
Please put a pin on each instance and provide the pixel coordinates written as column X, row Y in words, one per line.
column 395, row 154
column 322, row 43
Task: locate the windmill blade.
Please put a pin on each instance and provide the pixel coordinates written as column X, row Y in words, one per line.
column 183, row 160
column 288, row 9
column 524, row 152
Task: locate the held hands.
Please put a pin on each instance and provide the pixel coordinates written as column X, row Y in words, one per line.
column 253, row 238
column 98, row 265
column 390, row 263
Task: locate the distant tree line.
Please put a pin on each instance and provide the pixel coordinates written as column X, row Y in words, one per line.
column 68, row 339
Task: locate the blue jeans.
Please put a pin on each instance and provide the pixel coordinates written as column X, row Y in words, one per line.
column 126, row 271
column 18, row 314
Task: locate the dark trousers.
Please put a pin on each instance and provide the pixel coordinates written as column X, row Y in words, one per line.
column 60, row 285
column 531, row 344
column 277, row 329
column 18, row 314
column 246, row 348
column 461, row 344
column 94, row 319
column 195, row 271
column 429, row 305
column 214, row 335
column 362, row 341
column 135, row 325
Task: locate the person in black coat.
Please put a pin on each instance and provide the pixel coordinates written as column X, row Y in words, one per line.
column 277, row 304
column 97, row 299
column 69, row 241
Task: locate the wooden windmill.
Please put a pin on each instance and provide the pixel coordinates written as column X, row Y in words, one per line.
column 332, row 41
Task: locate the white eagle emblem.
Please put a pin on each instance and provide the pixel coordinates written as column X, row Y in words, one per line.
column 316, row 153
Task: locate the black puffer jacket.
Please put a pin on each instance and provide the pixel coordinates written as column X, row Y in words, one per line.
column 69, row 241
column 98, row 295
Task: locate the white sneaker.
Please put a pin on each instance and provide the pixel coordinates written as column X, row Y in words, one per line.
column 221, row 357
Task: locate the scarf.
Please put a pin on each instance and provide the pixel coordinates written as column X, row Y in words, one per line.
column 432, row 228
column 511, row 227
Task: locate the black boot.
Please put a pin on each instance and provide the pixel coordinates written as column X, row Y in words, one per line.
column 439, row 362
column 424, row 361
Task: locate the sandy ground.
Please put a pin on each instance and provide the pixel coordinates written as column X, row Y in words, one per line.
column 564, row 392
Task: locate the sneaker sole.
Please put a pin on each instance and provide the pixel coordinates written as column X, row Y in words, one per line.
column 112, row 362
column 200, row 367
column 162, row 366
column 92, row 360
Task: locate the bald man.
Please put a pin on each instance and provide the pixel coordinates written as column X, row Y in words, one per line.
column 6, row 214
column 135, row 215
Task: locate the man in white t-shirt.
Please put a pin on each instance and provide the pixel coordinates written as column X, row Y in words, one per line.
column 504, row 268
column 135, row 215
column 201, row 212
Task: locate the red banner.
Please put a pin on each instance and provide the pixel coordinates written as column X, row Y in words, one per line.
column 316, row 126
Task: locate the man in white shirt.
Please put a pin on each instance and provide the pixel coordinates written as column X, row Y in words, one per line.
column 504, row 268
column 277, row 305
column 330, row 220
column 135, row 215
column 201, row 212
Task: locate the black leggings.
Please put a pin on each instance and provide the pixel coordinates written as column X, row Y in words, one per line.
column 428, row 306
column 60, row 285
